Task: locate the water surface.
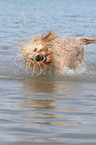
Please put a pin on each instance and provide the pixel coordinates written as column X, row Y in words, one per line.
column 46, row 110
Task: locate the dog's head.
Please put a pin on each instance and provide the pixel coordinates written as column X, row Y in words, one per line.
column 38, row 53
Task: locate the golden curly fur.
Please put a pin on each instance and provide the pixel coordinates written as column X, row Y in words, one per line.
column 51, row 53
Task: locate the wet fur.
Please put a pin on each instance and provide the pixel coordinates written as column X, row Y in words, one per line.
column 57, row 53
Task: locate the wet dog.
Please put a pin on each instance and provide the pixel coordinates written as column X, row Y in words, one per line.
column 51, row 54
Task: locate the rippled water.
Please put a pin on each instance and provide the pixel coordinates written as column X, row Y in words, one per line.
column 46, row 110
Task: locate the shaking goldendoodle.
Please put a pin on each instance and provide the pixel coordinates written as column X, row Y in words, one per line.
column 52, row 54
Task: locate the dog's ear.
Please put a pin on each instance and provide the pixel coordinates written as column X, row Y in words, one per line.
column 48, row 37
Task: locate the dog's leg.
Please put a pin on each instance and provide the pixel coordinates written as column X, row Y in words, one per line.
column 86, row 41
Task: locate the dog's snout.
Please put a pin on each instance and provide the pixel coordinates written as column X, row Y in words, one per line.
column 38, row 58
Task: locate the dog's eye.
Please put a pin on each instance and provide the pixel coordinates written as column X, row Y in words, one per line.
column 35, row 49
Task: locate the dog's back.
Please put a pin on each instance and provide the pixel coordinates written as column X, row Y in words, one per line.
column 69, row 52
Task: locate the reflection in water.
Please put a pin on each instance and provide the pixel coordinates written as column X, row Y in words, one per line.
column 48, row 139
column 48, row 105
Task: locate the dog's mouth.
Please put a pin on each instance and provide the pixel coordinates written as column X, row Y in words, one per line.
column 42, row 59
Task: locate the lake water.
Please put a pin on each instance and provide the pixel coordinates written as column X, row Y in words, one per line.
column 46, row 110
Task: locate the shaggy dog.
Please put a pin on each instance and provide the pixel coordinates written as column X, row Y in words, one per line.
column 52, row 54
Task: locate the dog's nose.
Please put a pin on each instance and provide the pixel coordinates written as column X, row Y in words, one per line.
column 38, row 58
